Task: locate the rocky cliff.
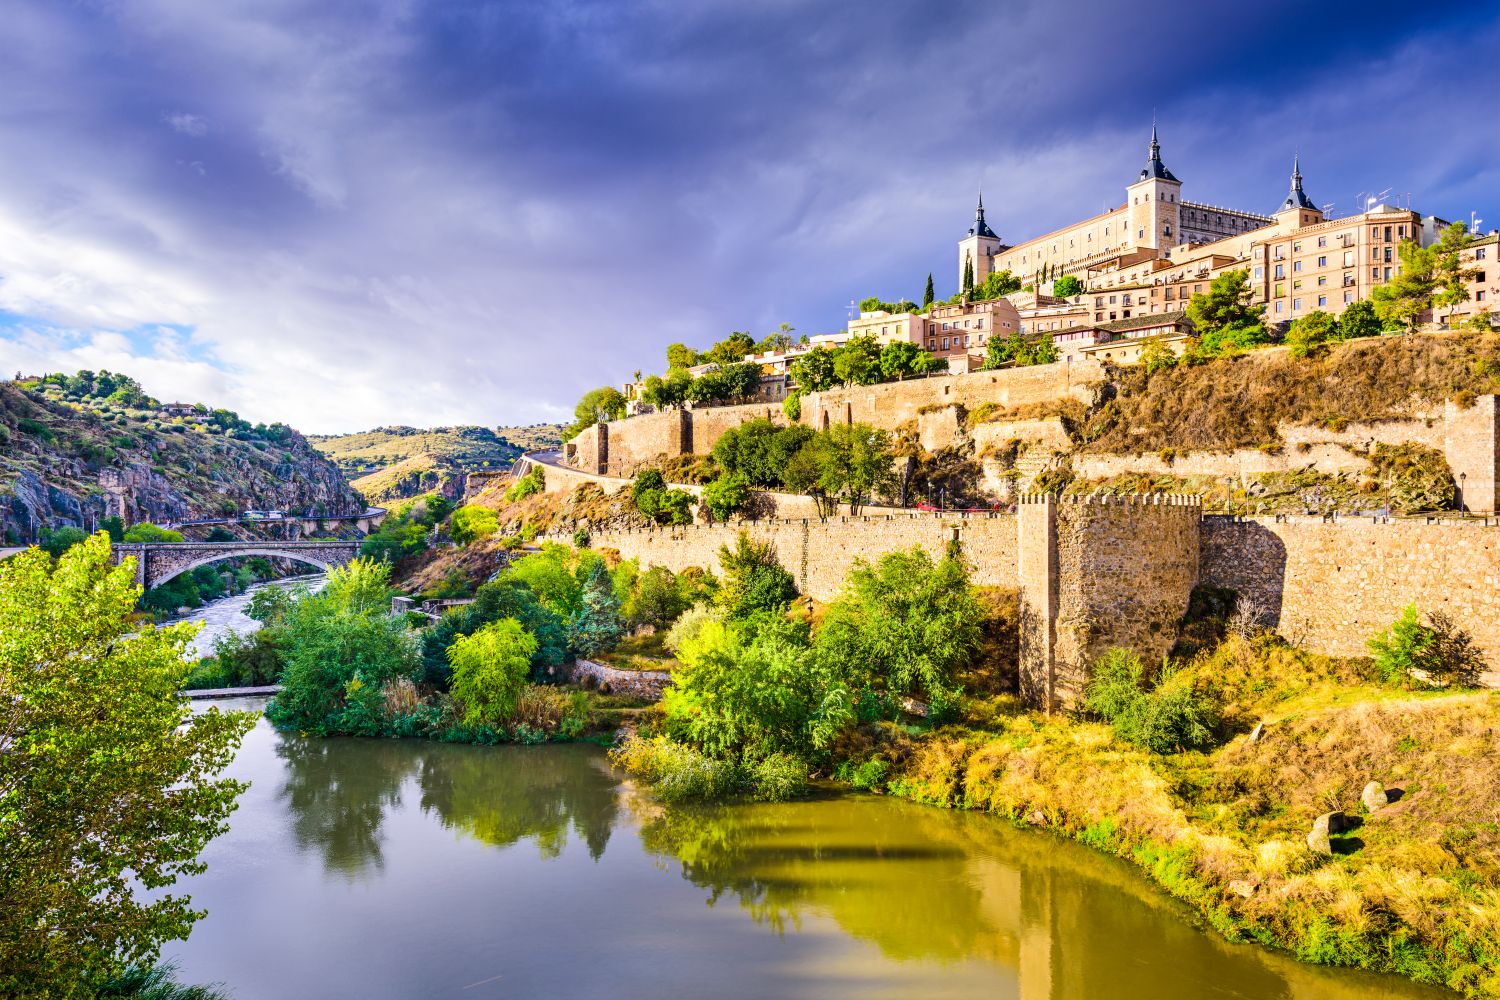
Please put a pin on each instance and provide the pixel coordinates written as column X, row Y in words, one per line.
column 72, row 459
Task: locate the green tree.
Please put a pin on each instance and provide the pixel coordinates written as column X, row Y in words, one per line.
column 658, row 599
column 470, row 523
column 556, row 574
column 107, row 778
column 596, row 626
column 759, row 450
column 60, row 540
column 1309, row 333
column 1449, row 274
column 1000, row 352
column 928, row 294
column 814, row 371
column 1156, row 356
column 506, row 597
column 1359, row 320
column 995, row 285
column 754, row 692
column 1412, row 652
column 732, row 349
column 725, row 495
column 341, row 640
column 902, row 627
column 754, row 579
column 1042, row 352
column 1067, row 286
column 903, row 359
column 681, row 356
column 490, row 669
column 848, row 463
column 114, row 526
column 967, row 288
column 1402, row 301
column 1224, row 315
column 858, row 362
column 148, row 532
column 596, row 406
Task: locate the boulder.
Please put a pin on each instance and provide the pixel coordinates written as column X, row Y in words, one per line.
column 1374, row 796
column 1036, row 818
column 1328, row 823
column 1242, row 887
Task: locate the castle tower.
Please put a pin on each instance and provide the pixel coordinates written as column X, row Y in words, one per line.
column 979, row 247
column 1154, row 201
column 1298, row 210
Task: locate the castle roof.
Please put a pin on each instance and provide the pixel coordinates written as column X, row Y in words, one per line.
column 981, row 228
column 1155, row 169
column 1297, row 198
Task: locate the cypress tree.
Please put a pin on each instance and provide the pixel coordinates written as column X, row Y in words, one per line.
column 968, row 275
column 596, row 626
column 928, row 296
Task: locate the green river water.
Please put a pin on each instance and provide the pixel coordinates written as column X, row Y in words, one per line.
column 369, row 869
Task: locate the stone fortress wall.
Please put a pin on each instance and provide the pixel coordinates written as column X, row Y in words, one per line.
column 1099, row 572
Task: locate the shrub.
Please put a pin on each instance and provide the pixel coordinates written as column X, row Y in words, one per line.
column 148, row 532
column 581, row 538
column 754, row 580
column 1171, row 716
column 490, row 668
column 726, row 495
column 533, row 482
column 779, row 778
column 55, row 543
column 1440, row 652
column 470, row 523
column 677, row 773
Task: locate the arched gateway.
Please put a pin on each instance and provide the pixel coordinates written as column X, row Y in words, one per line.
column 158, row 562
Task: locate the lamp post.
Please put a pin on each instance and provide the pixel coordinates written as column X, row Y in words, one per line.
column 1463, row 498
column 1229, row 495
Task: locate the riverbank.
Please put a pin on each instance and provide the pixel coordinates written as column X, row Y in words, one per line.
column 1410, row 888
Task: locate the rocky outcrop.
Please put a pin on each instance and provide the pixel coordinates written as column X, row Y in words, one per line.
column 73, row 463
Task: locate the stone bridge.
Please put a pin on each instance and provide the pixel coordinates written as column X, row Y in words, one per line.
column 158, row 562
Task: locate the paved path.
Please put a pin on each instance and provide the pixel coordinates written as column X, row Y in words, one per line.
column 230, row 692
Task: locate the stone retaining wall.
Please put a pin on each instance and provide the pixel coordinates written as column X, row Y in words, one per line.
column 636, row 683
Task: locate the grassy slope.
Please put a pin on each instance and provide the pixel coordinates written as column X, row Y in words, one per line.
column 390, row 463
column 1415, row 890
column 1237, row 403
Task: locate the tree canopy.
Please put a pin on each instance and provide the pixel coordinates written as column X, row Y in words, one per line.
column 107, row 779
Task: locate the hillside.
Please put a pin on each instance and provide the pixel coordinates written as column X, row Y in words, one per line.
column 390, row 463
column 61, row 439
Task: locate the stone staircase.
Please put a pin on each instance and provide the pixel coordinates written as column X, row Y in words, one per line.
column 1032, row 464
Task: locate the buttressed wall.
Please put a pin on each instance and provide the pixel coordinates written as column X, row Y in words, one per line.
column 1099, row 572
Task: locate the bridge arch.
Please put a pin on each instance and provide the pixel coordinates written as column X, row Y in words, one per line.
column 306, row 558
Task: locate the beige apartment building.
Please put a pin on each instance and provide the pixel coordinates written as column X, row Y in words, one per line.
column 947, row 331
column 1483, row 282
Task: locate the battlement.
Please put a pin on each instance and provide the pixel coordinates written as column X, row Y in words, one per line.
column 1115, row 499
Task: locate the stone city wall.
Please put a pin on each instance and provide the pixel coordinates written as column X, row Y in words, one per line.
column 820, row 553
column 1099, row 572
column 890, row 405
column 1331, row 584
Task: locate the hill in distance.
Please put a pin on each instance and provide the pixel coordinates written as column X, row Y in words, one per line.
column 61, row 436
column 393, row 463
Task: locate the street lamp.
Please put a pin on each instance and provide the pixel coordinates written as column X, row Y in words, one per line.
column 1463, row 498
column 1229, row 495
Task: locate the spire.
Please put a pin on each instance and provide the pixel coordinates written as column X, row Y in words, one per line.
column 981, row 228
column 1155, row 169
column 1297, row 198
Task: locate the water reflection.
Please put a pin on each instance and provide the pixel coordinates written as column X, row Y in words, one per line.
column 489, row 872
column 925, row 885
column 340, row 791
column 501, row 795
column 338, row 799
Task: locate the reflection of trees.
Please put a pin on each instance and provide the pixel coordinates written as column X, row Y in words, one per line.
column 338, row 790
column 501, row 795
column 885, row 873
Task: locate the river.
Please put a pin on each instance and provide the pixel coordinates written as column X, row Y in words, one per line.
column 228, row 613
column 382, row 868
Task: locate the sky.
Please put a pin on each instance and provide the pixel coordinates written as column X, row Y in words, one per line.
column 349, row 213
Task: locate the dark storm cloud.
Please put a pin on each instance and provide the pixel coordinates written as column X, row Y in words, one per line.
column 364, row 211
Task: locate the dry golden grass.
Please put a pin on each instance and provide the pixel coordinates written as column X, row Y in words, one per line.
column 1414, row 890
column 1237, row 403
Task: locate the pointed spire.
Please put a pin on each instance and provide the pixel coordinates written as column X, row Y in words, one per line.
column 1154, row 167
column 1296, row 197
column 981, row 228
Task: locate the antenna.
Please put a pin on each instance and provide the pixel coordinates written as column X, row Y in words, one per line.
column 1328, row 210
column 853, row 309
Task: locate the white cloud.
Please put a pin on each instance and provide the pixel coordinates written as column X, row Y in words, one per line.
column 187, row 124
